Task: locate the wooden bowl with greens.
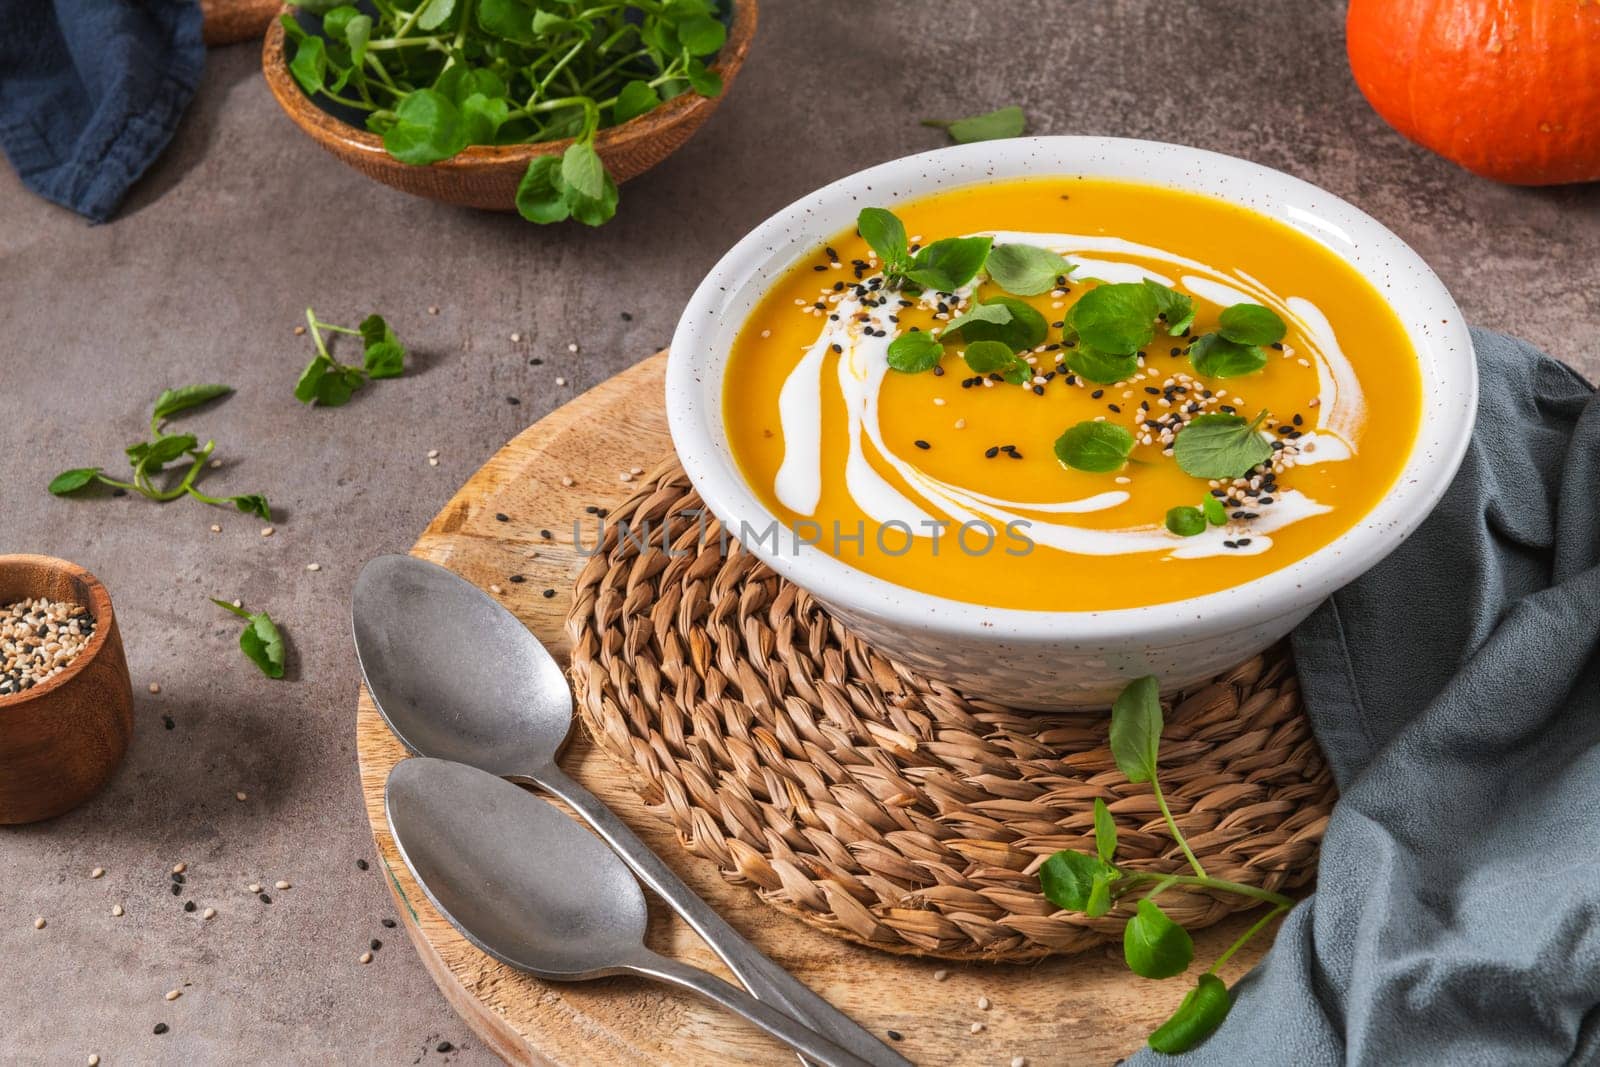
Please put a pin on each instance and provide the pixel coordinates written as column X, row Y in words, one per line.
column 503, row 104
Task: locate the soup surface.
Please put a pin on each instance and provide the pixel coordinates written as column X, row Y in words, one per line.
column 956, row 473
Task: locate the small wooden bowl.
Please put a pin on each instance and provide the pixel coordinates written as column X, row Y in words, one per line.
column 486, row 176
column 60, row 740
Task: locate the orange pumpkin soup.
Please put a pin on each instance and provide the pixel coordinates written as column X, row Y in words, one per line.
column 1070, row 394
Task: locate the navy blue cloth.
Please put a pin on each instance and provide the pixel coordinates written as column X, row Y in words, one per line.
column 91, row 90
column 1455, row 689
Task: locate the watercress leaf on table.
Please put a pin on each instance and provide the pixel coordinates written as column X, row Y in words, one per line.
column 914, row 352
column 1116, row 318
column 508, row 19
column 1020, row 329
column 1136, row 729
column 997, row 124
column 582, row 171
column 434, row 13
column 1153, row 945
column 262, row 642
column 987, row 357
column 73, row 480
column 1185, row 521
column 252, row 504
column 1067, row 878
column 384, row 359
column 427, row 128
column 1215, row 513
column 592, row 211
column 1105, row 831
column 636, row 98
column 1203, row 1009
column 1215, row 445
column 701, row 35
column 1096, row 447
column 305, row 390
column 948, row 264
column 226, row 606
column 702, row 79
column 310, row 64
column 883, row 230
column 483, row 116
column 1026, row 270
column 539, row 196
column 152, row 456
column 172, row 401
column 1101, row 367
column 1251, row 324
column 1214, row 356
column 1174, row 308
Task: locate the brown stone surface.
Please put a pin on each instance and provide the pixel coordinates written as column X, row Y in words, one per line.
column 245, row 221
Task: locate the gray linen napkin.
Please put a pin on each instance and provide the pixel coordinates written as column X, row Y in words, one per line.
column 1456, row 691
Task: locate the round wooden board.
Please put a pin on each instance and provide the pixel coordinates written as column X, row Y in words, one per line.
column 1086, row 1009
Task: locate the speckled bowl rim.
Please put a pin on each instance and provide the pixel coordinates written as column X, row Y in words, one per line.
column 100, row 609
column 1432, row 321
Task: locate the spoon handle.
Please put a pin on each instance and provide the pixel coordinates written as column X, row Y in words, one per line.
column 763, row 978
column 813, row 1046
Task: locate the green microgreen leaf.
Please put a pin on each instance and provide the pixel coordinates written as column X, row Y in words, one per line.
column 1203, row 1009
column 310, row 64
column 510, row 20
column 592, row 211
column 261, row 641
column 1214, row 356
column 151, row 456
column 1186, row 521
column 483, row 117
column 1215, row 513
column 1251, row 324
column 1020, row 328
column 1215, row 445
column 886, row 234
column 428, row 128
column 995, row 125
column 702, row 79
column 1068, row 879
column 539, row 194
column 583, row 172
column 1136, row 729
column 1118, row 319
column 701, row 35
column 1102, row 367
column 73, row 480
column 1026, row 270
column 914, row 352
column 357, row 34
column 1105, row 831
column 172, row 401
column 946, row 265
column 1172, row 307
column 252, row 504
column 434, row 13
column 989, row 357
column 1153, row 945
column 636, row 98
column 1096, row 447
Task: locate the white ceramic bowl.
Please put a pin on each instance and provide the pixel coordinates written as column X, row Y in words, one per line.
column 1041, row 659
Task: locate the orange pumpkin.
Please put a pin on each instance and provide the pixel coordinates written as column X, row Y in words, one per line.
column 1509, row 89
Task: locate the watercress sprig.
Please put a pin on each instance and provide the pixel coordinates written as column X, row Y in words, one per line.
column 993, row 126
column 1111, row 323
column 1217, row 445
column 1235, row 347
column 943, row 266
column 330, row 383
column 149, row 459
column 260, row 640
column 1153, row 945
column 437, row 76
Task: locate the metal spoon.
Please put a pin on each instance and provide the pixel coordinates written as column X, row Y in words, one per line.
column 533, row 889
column 459, row 677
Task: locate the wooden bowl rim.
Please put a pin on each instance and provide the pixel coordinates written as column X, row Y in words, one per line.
column 333, row 133
column 99, row 607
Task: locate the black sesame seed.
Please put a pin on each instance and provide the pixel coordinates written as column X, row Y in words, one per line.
column 166, row 720
column 820, row 266
column 501, row 516
column 991, row 452
column 176, row 889
column 265, row 899
column 1038, row 390
column 1264, row 500
column 188, row 905
column 938, row 371
column 837, row 348
column 1298, row 421
column 518, row 578
column 389, row 923
column 1114, row 408
column 1229, row 544
column 894, row 1035
column 545, row 534
column 119, row 492
column 177, row 877
column 443, row 1046
column 535, row 362
column 1014, row 454
column 160, row 1028
column 591, row 510
column 922, row 444
column 1097, row 394
column 627, row 317
column 376, row 944
column 512, row 400
column 1243, row 541
column 548, row 593
column 361, row 865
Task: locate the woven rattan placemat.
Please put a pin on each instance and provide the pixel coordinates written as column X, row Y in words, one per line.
column 882, row 806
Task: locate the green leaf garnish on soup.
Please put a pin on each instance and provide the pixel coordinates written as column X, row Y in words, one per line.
column 914, row 352
column 948, row 264
column 1174, row 308
column 1096, row 447
column 1102, row 367
column 1251, row 324
column 1214, row 356
column 1026, row 270
column 1221, row 446
column 1118, row 319
column 1185, row 521
column 1020, row 327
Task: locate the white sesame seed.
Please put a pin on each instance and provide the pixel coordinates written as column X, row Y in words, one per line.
column 561, row 381
column 625, row 476
column 174, row 994
column 940, row 975
column 983, row 1003
column 433, row 310
column 366, row 957
column 98, row 872
column 1019, row 1061
column 93, row 1060
column 635, row 471
column 179, row 868
column 496, row 590
column 116, row 911
column 238, row 603
column 766, row 333
column 216, row 527
column 313, row 566
column 515, row 338
column 281, row 884
column 216, row 464
column 961, row 424
column 975, row 1028
column 433, row 453
column 38, row 924
column 568, row 480
column 938, row 401
column 572, row 347
column 299, row 331
column 241, row 796
column 266, row 531
column 155, row 687
column 209, row 913
column 433, row 461
column 254, row 887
